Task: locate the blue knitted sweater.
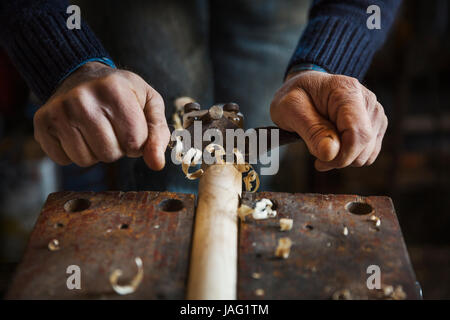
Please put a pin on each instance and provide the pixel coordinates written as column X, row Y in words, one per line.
column 35, row 36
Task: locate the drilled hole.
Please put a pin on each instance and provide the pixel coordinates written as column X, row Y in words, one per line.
column 359, row 208
column 123, row 226
column 76, row 205
column 58, row 225
column 309, row 227
column 171, row 205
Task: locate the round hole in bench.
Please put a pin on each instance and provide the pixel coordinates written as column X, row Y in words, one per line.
column 171, row 205
column 76, row 205
column 359, row 208
column 123, row 226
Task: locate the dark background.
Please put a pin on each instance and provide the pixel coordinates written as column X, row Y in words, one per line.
column 411, row 77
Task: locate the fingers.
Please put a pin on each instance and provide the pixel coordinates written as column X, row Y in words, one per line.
column 355, row 129
column 360, row 146
column 102, row 120
column 158, row 131
column 379, row 123
column 318, row 133
column 125, row 114
column 52, row 147
column 340, row 120
column 378, row 143
column 102, row 140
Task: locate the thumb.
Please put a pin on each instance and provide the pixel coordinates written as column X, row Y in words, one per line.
column 318, row 132
column 158, row 131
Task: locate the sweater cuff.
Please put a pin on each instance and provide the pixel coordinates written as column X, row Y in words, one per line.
column 338, row 46
column 45, row 51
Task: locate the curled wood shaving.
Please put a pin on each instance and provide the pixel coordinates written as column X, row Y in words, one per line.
column 263, row 210
column 193, row 155
column 191, row 159
column 219, row 152
column 284, row 248
column 243, row 167
column 53, row 245
column 286, row 224
column 134, row 284
column 251, row 177
column 179, row 149
column 240, row 165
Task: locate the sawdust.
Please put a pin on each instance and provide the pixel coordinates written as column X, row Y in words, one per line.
column 284, row 248
column 286, row 224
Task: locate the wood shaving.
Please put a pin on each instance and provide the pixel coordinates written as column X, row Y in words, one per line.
column 179, row 149
column 252, row 176
column 263, row 210
column 243, row 167
column 256, row 275
column 284, row 248
column 343, row 294
column 286, row 224
column 191, row 159
column 53, row 245
column 244, row 211
column 376, row 219
column 259, row 292
column 219, row 152
column 345, row 232
column 240, row 165
column 388, row 290
column 394, row 294
column 399, row 294
column 134, row 284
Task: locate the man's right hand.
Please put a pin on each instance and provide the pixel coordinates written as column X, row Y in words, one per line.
column 101, row 114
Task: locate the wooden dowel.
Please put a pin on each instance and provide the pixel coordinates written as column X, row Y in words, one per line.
column 213, row 266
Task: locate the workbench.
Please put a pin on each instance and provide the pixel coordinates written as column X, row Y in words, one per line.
column 104, row 231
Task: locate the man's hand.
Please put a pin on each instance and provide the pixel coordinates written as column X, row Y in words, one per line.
column 340, row 120
column 101, row 114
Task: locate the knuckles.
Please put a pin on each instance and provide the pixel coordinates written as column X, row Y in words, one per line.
column 133, row 144
column 358, row 163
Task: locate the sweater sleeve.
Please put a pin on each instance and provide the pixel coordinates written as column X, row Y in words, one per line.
column 337, row 37
column 35, row 36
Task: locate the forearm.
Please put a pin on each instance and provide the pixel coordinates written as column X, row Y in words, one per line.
column 337, row 38
column 35, row 36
